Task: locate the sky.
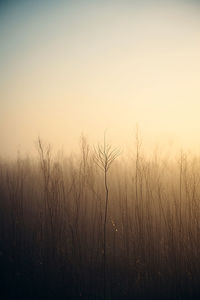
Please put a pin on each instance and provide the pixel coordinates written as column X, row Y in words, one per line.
column 82, row 67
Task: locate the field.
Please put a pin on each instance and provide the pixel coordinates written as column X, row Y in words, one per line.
column 99, row 225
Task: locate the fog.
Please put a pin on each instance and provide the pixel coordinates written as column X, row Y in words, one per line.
column 74, row 67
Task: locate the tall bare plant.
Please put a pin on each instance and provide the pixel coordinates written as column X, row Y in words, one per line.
column 104, row 157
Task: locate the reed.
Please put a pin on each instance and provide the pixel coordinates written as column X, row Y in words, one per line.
column 97, row 227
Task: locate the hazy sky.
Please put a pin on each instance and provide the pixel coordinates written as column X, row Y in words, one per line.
column 68, row 67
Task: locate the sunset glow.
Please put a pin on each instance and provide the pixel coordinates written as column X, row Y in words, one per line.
column 83, row 67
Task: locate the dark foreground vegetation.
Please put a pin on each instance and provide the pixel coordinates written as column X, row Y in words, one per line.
column 73, row 228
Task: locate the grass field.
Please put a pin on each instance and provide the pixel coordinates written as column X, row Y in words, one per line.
column 72, row 229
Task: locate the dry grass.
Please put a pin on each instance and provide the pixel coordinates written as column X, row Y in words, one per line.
column 52, row 227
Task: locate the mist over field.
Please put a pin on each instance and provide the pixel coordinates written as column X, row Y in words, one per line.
column 99, row 155
column 74, row 67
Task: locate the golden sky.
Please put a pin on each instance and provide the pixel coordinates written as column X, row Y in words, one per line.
column 72, row 67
